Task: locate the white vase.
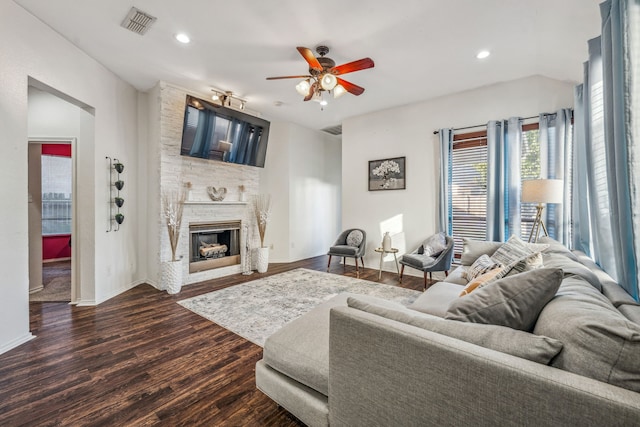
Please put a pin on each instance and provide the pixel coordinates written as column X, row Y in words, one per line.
column 386, row 242
column 243, row 198
column 262, row 259
column 172, row 276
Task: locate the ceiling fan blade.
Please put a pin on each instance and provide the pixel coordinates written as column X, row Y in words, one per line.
column 350, row 67
column 288, row 77
column 350, row 87
column 312, row 90
column 310, row 58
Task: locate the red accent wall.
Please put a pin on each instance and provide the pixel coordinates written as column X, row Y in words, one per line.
column 57, row 246
column 63, row 150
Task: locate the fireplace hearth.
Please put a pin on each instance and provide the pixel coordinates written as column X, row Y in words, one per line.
column 214, row 245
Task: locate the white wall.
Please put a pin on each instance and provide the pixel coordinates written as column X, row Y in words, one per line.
column 410, row 215
column 28, row 48
column 302, row 173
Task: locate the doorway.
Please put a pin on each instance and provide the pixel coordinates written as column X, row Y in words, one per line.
column 50, row 220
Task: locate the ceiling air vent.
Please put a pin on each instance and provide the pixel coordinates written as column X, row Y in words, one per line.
column 138, row 21
column 333, row 130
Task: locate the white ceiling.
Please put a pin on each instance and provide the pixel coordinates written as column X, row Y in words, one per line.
column 422, row 48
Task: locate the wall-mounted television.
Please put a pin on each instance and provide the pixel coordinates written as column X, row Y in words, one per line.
column 215, row 132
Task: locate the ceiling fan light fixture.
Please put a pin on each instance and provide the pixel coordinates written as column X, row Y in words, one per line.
column 328, row 81
column 338, row 91
column 303, row 87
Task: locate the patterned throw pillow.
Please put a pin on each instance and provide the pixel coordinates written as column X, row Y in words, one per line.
column 483, row 264
column 482, row 280
column 434, row 245
column 529, row 263
column 354, row 238
column 512, row 251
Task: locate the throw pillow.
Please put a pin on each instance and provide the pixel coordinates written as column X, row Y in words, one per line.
column 472, row 249
column 480, row 266
column 434, row 245
column 482, row 280
column 514, row 301
column 529, row 263
column 516, row 343
column 513, row 251
column 354, row 238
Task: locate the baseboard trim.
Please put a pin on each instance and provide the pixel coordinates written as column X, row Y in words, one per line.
column 46, row 261
column 15, row 343
column 34, row 290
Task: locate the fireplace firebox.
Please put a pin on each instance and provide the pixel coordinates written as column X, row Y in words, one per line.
column 214, row 245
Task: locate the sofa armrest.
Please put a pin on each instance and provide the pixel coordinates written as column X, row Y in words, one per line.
column 383, row 372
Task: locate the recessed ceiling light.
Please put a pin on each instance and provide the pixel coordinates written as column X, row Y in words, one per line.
column 483, row 54
column 183, row 38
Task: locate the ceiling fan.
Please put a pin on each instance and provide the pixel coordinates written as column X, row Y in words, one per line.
column 323, row 74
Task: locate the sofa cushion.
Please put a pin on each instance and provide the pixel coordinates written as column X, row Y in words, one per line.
column 481, row 266
column 346, row 250
column 457, row 275
column 301, row 355
column 556, row 247
column 631, row 312
column 514, row 301
column 434, row 245
column 417, row 261
column 472, row 249
column 437, row 298
column 599, row 342
column 616, row 294
column 300, row 349
column 354, row 238
column 571, row 267
column 517, row 343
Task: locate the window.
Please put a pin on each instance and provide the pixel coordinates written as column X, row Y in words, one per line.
column 56, row 195
column 469, row 187
column 469, row 183
column 529, row 169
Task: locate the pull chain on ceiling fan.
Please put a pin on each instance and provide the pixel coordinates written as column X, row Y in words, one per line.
column 323, row 74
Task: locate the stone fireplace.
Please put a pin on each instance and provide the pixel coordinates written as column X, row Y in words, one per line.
column 214, row 245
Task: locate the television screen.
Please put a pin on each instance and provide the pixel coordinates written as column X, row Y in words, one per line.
column 215, row 132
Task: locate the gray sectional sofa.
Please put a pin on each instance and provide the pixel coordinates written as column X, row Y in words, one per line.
column 358, row 360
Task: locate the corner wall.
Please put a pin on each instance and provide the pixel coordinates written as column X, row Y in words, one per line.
column 30, row 49
column 302, row 173
column 411, row 215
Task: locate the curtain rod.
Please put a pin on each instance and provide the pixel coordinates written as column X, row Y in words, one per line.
column 435, row 132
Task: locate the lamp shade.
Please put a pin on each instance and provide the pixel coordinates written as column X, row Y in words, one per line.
column 543, row 191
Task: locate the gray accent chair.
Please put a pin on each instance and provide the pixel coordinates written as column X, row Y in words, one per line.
column 342, row 249
column 428, row 264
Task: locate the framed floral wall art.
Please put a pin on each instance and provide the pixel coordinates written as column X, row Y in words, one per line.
column 387, row 174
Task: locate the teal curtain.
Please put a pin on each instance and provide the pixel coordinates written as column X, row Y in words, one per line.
column 504, row 142
column 621, row 77
column 580, row 230
column 556, row 139
column 608, row 120
column 445, row 212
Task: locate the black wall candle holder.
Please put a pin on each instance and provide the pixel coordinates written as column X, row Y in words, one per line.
column 115, row 166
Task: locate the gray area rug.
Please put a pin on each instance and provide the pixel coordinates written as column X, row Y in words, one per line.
column 255, row 310
column 56, row 279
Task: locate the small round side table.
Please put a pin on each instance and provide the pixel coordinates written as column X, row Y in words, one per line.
column 382, row 253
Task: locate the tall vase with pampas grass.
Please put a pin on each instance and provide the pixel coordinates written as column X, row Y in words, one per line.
column 172, row 207
column 262, row 211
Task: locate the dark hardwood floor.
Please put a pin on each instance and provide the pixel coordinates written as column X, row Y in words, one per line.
column 141, row 359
